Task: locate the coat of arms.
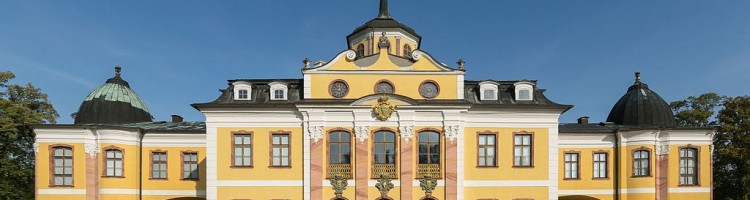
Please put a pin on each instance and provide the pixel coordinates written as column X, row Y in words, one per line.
column 384, row 109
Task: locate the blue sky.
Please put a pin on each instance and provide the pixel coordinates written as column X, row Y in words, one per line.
column 175, row 53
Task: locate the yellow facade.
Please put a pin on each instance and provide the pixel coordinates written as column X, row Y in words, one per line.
column 307, row 111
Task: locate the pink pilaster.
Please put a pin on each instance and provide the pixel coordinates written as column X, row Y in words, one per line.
column 316, row 170
column 362, row 168
column 92, row 176
column 451, row 170
column 407, row 174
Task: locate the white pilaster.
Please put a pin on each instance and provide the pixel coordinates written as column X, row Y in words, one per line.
column 553, row 162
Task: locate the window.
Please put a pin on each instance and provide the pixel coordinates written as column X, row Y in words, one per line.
column 278, row 90
column 280, row 150
column 278, row 94
column 488, row 94
column 522, row 150
column 360, row 50
column 523, row 90
column 600, row 165
column 688, row 166
column 571, row 166
column 62, row 168
column 113, row 163
column 489, row 90
column 641, row 166
column 242, row 90
column 158, row 165
column 384, row 154
column 524, row 95
column 407, row 51
column 486, row 150
column 429, row 154
column 242, row 150
column 242, row 94
column 190, row 165
column 339, row 154
column 384, row 87
column 339, row 147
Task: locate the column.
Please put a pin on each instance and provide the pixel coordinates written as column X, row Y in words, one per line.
column 362, row 162
column 406, row 161
column 91, row 149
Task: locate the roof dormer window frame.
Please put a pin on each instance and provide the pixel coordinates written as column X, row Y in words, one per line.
column 242, row 85
column 524, row 87
column 274, row 86
column 488, row 86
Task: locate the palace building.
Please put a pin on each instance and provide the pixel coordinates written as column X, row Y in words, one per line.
column 383, row 119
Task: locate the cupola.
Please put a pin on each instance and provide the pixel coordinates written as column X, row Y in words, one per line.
column 365, row 39
column 114, row 102
column 641, row 107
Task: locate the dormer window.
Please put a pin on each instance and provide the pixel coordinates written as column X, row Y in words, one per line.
column 488, row 90
column 242, row 94
column 278, row 90
column 524, row 91
column 242, row 90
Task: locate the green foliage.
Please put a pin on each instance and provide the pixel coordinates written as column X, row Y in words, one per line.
column 731, row 143
column 732, row 150
column 696, row 111
column 20, row 106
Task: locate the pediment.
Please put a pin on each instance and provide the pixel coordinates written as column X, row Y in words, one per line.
column 393, row 99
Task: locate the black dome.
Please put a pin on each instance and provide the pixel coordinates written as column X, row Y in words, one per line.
column 641, row 107
column 384, row 20
column 112, row 103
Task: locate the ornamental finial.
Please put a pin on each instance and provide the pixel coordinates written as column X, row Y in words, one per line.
column 117, row 70
column 461, row 63
column 383, row 12
column 637, row 77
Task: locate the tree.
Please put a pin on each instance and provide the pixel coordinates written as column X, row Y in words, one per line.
column 732, row 140
column 732, row 150
column 20, row 106
column 696, row 111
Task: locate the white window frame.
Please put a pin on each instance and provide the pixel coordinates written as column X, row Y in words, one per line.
column 278, row 86
column 524, row 85
column 488, row 85
column 242, row 85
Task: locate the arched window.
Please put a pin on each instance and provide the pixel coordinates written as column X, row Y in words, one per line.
column 113, row 162
column 360, row 50
column 339, row 154
column 524, row 95
column 429, row 154
column 62, row 167
column 384, row 154
column 688, row 166
column 407, row 51
column 641, row 165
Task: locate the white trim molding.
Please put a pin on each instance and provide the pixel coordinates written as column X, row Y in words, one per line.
column 61, row 191
column 507, row 183
column 260, row 183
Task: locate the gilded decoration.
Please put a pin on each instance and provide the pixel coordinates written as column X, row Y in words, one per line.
column 339, row 184
column 384, row 109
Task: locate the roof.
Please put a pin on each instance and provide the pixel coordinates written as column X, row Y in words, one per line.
column 114, row 102
column 588, row 128
column 642, row 108
column 384, row 20
column 506, row 95
column 260, row 97
column 146, row 127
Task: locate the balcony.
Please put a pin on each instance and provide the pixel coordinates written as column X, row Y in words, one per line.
column 389, row 170
column 344, row 170
column 431, row 170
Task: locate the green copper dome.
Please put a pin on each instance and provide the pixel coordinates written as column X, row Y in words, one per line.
column 113, row 103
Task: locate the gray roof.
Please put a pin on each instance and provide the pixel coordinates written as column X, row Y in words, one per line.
column 588, row 128
column 169, row 126
column 506, row 95
column 260, row 97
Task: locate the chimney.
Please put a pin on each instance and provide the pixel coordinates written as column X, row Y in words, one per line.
column 583, row 120
column 176, row 118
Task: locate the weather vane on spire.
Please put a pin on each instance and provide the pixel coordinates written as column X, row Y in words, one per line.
column 383, row 12
column 117, row 70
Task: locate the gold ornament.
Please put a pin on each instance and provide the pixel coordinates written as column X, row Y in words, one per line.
column 384, row 109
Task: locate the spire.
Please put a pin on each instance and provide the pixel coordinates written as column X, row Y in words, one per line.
column 637, row 77
column 383, row 13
